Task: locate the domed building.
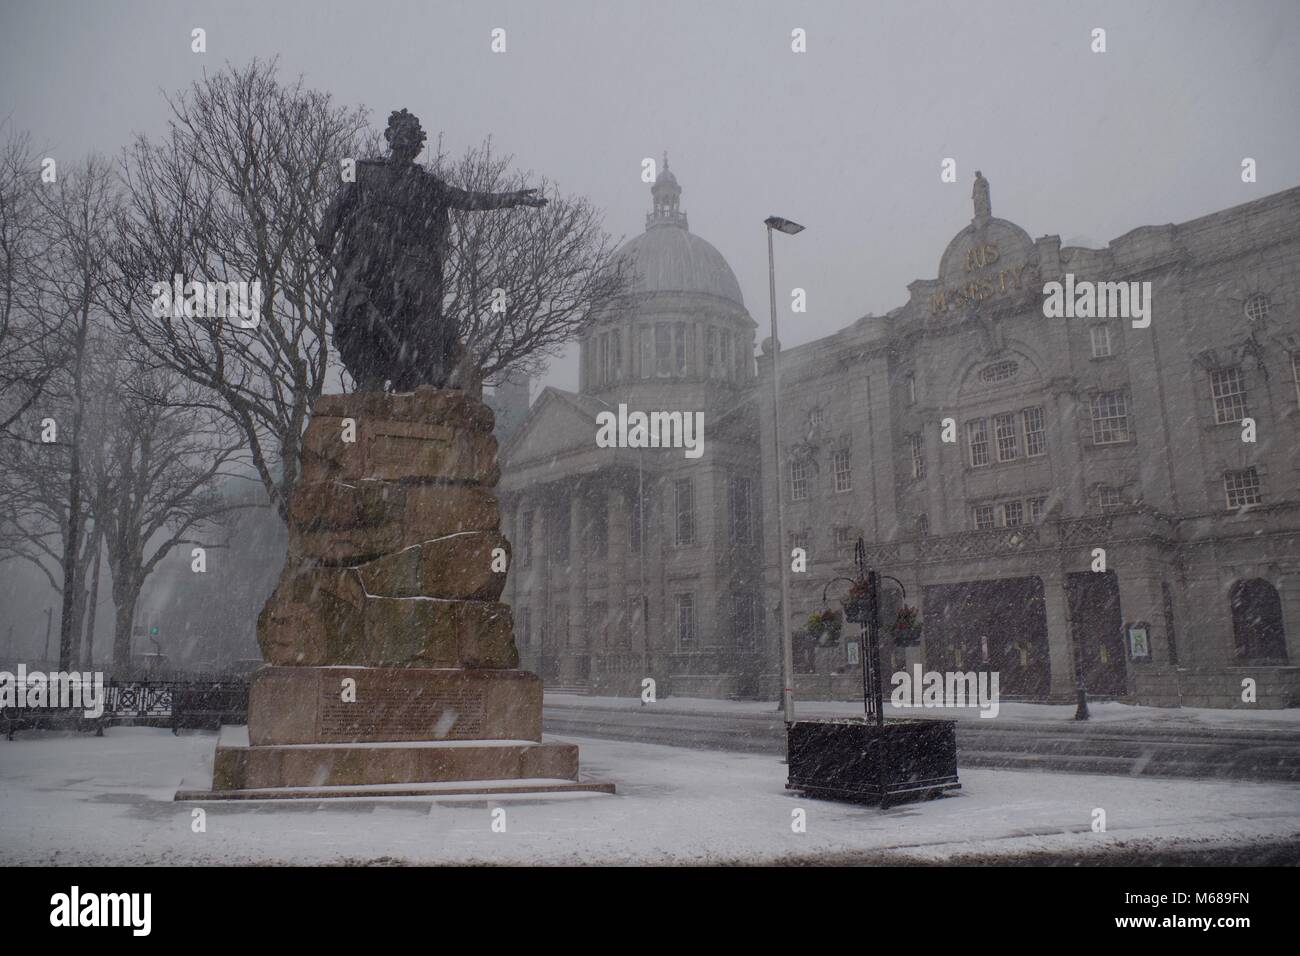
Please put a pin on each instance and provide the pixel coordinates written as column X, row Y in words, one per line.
column 635, row 562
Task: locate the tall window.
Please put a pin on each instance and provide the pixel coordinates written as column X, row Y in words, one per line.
column 744, row 619
column 984, row 517
column 1242, row 488
column 1257, row 627
column 1013, row 514
column 1037, row 508
column 523, row 621
column 742, row 510
column 1295, row 374
column 647, row 351
column 1229, row 393
column 977, row 441
column 679, row 348
column 526, row 542
column 634, row 526
column 685, row 605
column 918, row 455
column 1004, row 430
column 560, row 630
column 557, row 529
column 1035, row 432
column 843, row 467
column 911, row 389
column 615, row 356
column 598, row 529
column 685, row 511
column 923, row 524
column 1100, row 341
column 798, row 479
column 663, row 349
column 1109, row 418
column 711, row 349
column 598, row 623
column 635, row 618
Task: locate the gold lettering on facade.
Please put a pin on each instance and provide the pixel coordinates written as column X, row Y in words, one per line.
column 979, row 289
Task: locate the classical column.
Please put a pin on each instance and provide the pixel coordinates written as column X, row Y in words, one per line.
column 616, row 593
column 579, row 559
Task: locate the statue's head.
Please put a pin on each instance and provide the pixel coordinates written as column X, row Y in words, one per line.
column 404, row 135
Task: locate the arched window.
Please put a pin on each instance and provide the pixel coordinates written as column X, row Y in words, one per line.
column 1257, row 621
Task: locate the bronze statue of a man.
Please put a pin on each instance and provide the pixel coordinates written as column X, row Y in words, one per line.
column 392, row 227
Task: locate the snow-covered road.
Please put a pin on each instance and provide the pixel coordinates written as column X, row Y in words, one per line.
column 81, row 799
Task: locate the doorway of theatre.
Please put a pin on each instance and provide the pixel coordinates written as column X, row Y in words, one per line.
column 990, row 626
column 1098, row 630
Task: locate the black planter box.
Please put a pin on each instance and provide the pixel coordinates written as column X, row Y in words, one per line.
column 853, row 759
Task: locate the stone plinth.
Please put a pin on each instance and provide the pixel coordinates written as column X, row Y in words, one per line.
column 298, row 705
column 392, row 659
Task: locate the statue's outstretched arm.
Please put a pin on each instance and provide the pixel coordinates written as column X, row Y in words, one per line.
column 468, row 199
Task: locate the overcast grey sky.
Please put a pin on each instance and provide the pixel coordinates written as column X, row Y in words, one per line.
column 846, row 138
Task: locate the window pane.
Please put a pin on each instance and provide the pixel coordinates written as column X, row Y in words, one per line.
column 977, row 439
column 1109, row 418
column 1004, row 429
column 1035, row 432
column 1229, row 395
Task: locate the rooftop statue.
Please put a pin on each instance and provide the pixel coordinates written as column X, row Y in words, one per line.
column 392, row 229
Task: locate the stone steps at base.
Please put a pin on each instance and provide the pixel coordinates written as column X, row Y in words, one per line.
column 459, row 788
column 237, row 766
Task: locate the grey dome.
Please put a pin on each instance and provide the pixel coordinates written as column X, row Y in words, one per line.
column 669, row 258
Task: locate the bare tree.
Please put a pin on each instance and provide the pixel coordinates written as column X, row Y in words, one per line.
column 159, row 467
column 69, row 273
column 234, row 192
column 28, row 353
column 521, row 287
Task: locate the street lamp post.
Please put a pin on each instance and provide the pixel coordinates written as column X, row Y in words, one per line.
column 776, row 223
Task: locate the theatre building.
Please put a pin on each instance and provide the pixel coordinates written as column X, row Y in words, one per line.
column 1087, row 498
column 632, row 562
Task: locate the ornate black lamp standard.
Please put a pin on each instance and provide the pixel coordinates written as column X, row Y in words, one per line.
column 863, row 607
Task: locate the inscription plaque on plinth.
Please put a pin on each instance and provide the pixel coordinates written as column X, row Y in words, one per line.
column 391, row 712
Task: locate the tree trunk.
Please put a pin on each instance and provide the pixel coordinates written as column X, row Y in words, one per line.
column 124, row 620
column 88, row 644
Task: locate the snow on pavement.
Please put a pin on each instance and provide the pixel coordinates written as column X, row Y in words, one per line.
column 1106, row 712
column 78, row 799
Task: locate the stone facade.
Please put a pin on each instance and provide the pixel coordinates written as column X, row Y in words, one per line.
column 1070, row 435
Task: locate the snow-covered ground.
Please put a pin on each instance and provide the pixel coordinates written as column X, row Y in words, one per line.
column 68, row 799
column 1101, row 712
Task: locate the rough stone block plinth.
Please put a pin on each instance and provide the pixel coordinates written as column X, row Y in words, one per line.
column 393, row 661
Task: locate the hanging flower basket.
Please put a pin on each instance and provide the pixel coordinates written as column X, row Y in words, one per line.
column 825, row 627
column 857, row 606
column 907, row 627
